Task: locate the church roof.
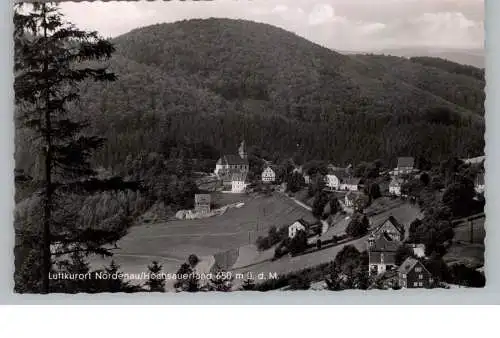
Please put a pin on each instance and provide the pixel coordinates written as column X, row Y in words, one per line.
column 232, row 160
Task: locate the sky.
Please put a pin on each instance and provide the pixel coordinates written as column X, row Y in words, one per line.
column 348, row 25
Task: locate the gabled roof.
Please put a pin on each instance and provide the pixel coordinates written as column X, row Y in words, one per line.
column 409, row 264
column 384, row 244
column 406, row 162
column 232, row 160
column 394, row 221
column 302, row 222
column 268, row 168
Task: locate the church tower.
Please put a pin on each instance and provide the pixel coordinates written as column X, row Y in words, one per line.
column 242, row 150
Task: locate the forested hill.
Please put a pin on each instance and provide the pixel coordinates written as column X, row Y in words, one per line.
column 217, row 81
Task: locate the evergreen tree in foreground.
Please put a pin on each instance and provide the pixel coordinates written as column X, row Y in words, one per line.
column 52, row 58
column 155, row 283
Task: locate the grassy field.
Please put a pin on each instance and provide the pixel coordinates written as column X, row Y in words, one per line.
column 172, row 242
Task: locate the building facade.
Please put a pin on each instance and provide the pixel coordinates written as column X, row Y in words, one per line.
column 268, row 175
column 413, row 274
column 381, row 255
column 295, row 227
column 202, row 203
column 394, row 230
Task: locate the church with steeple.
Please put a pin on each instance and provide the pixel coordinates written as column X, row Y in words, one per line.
column 230, row 164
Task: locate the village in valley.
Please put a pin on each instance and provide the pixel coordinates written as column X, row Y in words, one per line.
column 366, row 222
column 230, row 154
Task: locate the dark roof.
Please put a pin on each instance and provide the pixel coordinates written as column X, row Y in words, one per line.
column 406, row 162
column 394, row 221
column 384, row 244
column 408, row 265
column 232, row 160
column 202, row 198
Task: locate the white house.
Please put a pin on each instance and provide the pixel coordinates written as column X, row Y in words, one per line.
column 268, row 175
column 395, row 187
column 238, row 184
column 332, row 181
column 296, row 226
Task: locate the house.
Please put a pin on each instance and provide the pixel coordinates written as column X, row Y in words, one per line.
column 298, row 225
column 350, row 198
column 395, row 186
column 413, row 274
column 405, row 166
column 335, row 177
column 233, row 163
column 479, row 183
column 350, row 184
column 392, row 228
column 202, row 203
column 268, row 175
column 307, row 179
column 238, row 183
column 381, row 255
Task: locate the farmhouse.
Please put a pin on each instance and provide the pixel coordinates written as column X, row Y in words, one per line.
column 268, row 175
column 395, row 186
column 381, row 255
column 413, row 274
column 298, row 225
column 238, row 183
column 311, row 229
column 233, row 163
column 479, row 183
column 334, row 177
column 391, row 228
column 202, row 203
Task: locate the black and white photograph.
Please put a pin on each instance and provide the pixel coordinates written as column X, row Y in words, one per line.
column 233, row 146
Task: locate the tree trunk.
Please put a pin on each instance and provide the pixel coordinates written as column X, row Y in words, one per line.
column 46, row 255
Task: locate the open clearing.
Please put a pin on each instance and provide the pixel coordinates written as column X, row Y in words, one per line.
column 170, row 243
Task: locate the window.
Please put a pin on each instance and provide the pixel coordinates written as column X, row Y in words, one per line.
column 420, row 276
column 404, row 275
column 415, row 284
column 420, row 284
column 418, row 269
